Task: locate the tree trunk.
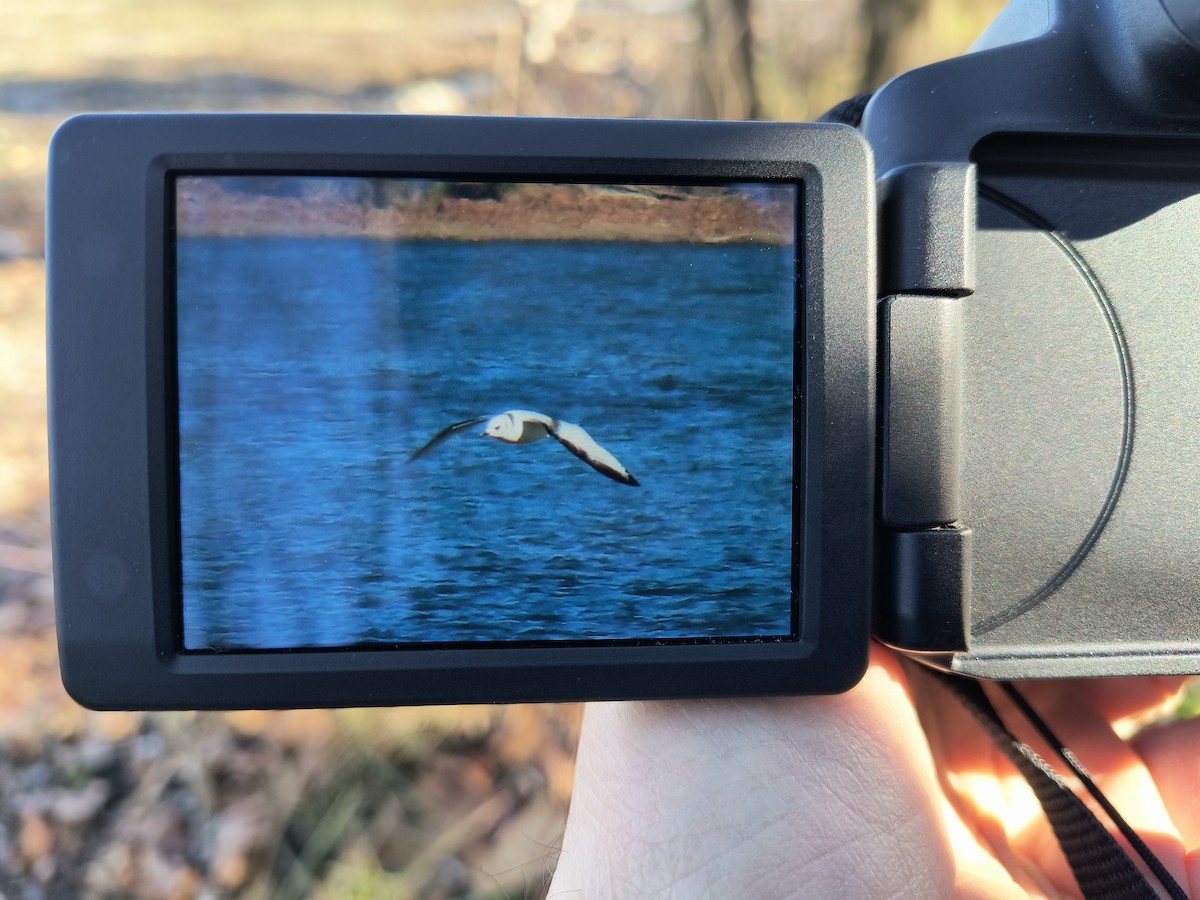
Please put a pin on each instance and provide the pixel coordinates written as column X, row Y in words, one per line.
column 725, row 87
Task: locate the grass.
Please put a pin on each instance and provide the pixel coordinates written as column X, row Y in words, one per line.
column 1189, row 707
column 24, row 478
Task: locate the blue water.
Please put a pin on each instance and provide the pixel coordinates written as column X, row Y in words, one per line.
column 310, row 369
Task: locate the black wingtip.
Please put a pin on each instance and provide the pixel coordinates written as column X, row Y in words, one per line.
column 442, row 435
column 632, row 482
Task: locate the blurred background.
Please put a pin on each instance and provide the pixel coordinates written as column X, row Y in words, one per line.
column 416, row 803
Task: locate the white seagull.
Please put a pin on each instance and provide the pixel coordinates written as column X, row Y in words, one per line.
column 523, row 426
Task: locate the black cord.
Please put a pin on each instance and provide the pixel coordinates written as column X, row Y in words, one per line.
column 1152, row 862
column 1101, row 866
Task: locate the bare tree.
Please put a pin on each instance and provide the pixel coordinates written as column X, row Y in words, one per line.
column 725, row 87
column 884, row 21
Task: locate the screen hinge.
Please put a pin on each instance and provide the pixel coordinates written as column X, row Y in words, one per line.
column 927, row 267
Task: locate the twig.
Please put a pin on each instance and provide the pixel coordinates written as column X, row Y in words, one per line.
column 33, row 560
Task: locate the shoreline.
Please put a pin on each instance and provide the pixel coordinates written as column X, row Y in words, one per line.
column 541, row 212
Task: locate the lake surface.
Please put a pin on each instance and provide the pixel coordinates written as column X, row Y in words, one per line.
column 311, row 369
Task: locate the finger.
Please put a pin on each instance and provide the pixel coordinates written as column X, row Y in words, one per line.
column 978, row 873
column 997, row 803
column 1127, row 703
column 1169, row 752
column 991, row 797
column 1115, row 767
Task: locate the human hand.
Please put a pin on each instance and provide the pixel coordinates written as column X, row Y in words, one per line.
column 889, row 790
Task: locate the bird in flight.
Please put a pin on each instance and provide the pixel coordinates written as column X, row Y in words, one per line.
column 523, row 426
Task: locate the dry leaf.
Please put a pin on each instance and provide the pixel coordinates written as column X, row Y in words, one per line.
column 36, row 841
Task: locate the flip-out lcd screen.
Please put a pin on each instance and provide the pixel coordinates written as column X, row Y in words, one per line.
column 426, row 412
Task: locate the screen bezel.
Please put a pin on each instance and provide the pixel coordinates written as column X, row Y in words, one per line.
column 114, row 415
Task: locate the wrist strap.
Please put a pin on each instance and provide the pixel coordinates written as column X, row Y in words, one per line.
column 1101, row 866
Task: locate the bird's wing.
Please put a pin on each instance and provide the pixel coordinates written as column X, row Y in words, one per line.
column 528, row 415
column 448, row 431
column 581, row 444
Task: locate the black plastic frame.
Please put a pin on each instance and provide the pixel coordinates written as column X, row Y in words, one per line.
column 112, row 405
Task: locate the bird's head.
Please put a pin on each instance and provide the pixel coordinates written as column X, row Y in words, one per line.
column 503, row 427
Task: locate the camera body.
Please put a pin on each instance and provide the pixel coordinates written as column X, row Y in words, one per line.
column 1079, row 373
column 981, row 450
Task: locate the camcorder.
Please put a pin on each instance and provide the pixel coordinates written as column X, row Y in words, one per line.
column 378, row 410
